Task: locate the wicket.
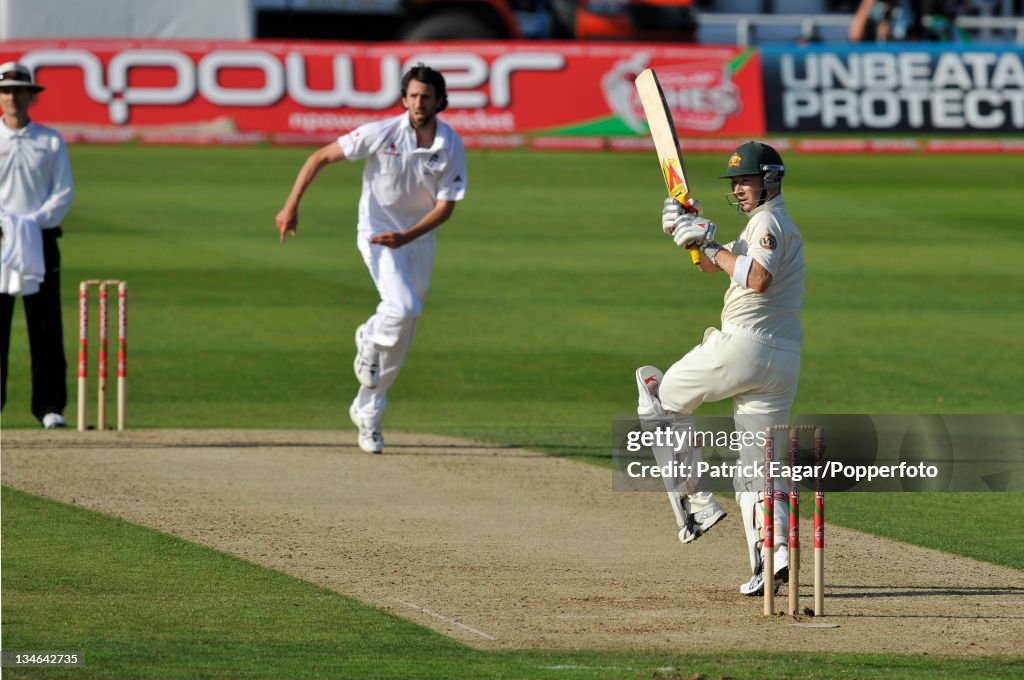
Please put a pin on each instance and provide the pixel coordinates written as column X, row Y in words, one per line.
column 794, row 522
column 83, row 351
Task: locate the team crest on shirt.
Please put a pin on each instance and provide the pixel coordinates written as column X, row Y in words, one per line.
column 430, row 166
column 768, row 241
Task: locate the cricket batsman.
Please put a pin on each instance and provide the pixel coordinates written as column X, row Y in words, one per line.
column 754, row 358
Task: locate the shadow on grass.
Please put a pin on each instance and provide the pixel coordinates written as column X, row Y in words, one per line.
column 861, row 592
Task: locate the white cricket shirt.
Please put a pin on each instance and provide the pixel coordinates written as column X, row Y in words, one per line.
column 35, row 173
column 401, row 182
column 771, row 239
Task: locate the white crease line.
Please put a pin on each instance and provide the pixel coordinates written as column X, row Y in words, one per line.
column 446, row 619
column 578, row 667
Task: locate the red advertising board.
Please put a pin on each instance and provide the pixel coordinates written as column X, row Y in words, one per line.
column 315, row 88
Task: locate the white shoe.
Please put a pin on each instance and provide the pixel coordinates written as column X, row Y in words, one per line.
column 697, row 525
column 688, row 534
column 755, row 586
column 708, row 518
column 52, row 421
column 367, row 362
column 370, row 438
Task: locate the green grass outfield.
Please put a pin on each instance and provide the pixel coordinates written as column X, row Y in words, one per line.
column 139, row 604
column 553, row 282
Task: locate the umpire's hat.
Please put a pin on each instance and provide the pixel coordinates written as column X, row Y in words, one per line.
column 13, row 74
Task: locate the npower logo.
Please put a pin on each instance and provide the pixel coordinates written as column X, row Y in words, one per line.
column 472, row 82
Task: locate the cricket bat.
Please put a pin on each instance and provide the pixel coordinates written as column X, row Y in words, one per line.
column 666, row 143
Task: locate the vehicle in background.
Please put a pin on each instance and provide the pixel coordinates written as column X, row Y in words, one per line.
column 711, row 22
column 412, row 20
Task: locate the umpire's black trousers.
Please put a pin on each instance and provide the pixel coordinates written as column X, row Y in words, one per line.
column 45, row 336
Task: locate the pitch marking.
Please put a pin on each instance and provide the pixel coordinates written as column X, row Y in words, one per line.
column 446, row 619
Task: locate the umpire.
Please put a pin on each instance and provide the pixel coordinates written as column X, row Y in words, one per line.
column 35, row 193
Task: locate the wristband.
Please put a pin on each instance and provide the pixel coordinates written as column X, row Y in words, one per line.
column 711, row 250
column 739, row 273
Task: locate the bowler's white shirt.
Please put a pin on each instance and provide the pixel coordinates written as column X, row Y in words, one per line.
column 401, row 182
column 35, row 174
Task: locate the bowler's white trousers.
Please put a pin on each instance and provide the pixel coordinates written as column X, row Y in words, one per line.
column 402, row 276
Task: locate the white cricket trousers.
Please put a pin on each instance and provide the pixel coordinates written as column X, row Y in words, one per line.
column 758, row 371
column 402, row 276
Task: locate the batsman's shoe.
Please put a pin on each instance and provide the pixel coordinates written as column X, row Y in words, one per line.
column 688, row 534
column 755, row 586
column 648, row 380
column 370, row 438
column 367, row 362
column 52, row 421
column 708, row 518
column 700, row 523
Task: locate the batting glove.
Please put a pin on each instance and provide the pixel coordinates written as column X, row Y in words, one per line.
column 671, row 211
column 690, row 230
